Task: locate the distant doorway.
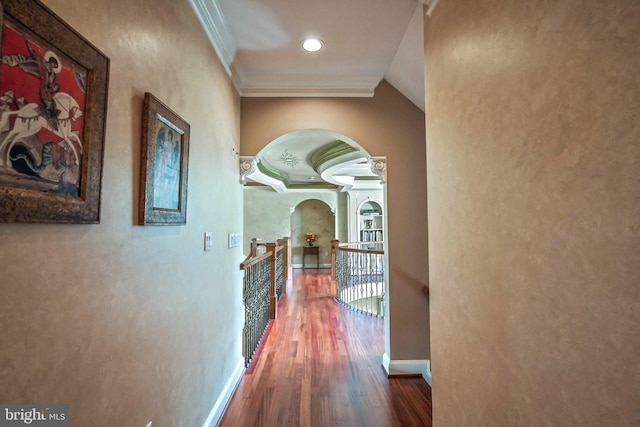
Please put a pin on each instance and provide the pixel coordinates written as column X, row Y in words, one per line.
column 312, row 216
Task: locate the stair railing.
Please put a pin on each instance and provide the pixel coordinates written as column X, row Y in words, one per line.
column 265, row 275
column 358, row 272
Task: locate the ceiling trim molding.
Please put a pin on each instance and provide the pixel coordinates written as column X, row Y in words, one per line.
column 300, row 188
column 311, row 187
column 277, row 175
column 249, row 169
column 331, row 172
column 276, row 185
column 218, row 32
column 310, row 85
column 305, row 93
column 237, row 76
column 333, row 150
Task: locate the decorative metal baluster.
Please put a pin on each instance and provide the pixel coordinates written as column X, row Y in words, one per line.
column 360, row 278
column 265, row 284
column 362, row 283
column 339, row 275
column 256, row 303
column 370, row 283
column 342, row 276
column 279, row 273
column 247, row 297
column 354, row 281
column 245, row 303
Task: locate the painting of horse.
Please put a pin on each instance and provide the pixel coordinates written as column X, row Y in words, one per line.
column 42, row 98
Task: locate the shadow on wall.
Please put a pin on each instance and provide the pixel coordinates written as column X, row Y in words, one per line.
column 312, row 216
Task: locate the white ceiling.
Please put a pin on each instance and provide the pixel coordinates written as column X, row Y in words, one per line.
column 365, row 41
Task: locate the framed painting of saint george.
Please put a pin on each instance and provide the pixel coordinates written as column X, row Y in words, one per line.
column 165, row 160
column 52, row 118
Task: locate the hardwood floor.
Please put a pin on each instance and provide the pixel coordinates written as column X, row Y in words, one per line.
column 320, row 365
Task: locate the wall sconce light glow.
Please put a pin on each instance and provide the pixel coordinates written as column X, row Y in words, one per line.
column 312, row 45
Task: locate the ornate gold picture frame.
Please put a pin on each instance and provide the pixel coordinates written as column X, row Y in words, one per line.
column 53, row 106
column 165, row 161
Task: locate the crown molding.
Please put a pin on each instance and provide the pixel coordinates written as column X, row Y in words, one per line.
column 237, row 76
column 218, row 32
column 309, row 85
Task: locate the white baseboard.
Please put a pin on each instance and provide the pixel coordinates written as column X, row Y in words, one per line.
column 225, row 396
column 427, row 374
column 396, row 368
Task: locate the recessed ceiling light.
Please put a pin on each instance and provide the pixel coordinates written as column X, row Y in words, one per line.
column 312, row 45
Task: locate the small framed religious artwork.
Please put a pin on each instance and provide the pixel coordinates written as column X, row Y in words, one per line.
column 53, row 103
column 165, row 161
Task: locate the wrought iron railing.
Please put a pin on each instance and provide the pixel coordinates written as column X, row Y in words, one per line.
column 359, row 276
column 279, row 269
column 255, row 296
column 265, row 275
column 280, row 285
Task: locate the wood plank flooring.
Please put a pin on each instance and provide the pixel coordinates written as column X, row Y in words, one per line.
column 320, row 365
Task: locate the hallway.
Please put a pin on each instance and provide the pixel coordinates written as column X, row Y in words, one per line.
column 320, row 365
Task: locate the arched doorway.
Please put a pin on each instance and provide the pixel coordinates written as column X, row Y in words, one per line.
column 308, row 164
column 317, row 217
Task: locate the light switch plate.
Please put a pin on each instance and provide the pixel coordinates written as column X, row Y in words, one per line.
column 234, row 240
column 208, row 240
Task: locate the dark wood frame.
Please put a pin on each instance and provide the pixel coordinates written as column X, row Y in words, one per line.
column 155, row 112
column 20, row 205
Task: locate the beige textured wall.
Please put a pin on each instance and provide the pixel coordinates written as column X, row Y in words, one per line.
column 267, row 215
column 533, row 147
column 385, row 125
column 126, row 323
